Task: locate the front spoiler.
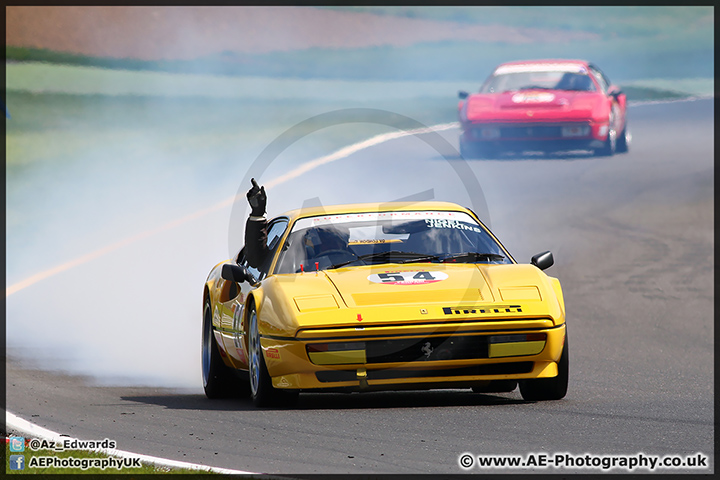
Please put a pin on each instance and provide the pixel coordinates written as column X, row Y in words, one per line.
column 290, row 368
column 550, row 144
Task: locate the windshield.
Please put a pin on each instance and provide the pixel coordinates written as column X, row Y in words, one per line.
column 550, row 80
column 387, row 237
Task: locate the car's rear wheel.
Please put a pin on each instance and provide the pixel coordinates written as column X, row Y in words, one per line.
column 219, row 381
column 261, row 389
column 497, row 386
column 549, row 388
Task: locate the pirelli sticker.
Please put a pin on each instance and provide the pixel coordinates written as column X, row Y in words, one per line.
column 497, row 309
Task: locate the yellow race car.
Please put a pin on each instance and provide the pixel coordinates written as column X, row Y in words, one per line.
column 383, row 296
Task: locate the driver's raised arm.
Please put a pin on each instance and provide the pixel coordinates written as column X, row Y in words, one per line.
column 256, row 226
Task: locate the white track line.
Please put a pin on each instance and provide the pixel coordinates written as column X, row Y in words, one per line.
column 658, row 102
column 17, row 424
column 354, row 148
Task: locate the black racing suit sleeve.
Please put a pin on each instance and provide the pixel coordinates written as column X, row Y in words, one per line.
column 256, row 249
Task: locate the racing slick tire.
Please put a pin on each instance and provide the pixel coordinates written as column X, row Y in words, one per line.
column 548, row 388
column 497, row 386
column 610, row 145
column 623, row 141
column 219, row 381
column 261, row 389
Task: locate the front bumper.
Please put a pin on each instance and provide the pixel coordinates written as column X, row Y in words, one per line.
column 463, row 356
column 536, row 136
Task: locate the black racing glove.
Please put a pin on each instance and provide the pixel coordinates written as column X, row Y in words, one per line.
column 257, row 199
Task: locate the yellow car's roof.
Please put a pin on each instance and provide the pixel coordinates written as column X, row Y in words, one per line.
column 372, row 207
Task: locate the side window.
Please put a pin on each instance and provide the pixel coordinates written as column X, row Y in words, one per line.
column 601, row 79
column 253, row 271
column 275, row 232
column 605, row 78
column 241, row 260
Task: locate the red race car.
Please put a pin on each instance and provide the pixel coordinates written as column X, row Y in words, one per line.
column 545, row 105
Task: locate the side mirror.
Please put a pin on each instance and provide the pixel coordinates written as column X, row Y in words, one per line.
column 543, row 260
column 615, row 92
column 462, row 94
column 234, row 273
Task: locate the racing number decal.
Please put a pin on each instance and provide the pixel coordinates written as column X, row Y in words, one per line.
column 424, row 276
column 390, row 277
column 407, row 278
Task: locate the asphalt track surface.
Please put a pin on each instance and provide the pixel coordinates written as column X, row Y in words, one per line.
column 633, row 241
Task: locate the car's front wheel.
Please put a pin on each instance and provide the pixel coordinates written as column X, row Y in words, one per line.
column 261, row 389
column 623, row 141
column 549, row 388
column 609, row 146
column 219, row 381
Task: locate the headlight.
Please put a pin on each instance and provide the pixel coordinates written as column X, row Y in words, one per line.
column 516, row 345
column 336, row 353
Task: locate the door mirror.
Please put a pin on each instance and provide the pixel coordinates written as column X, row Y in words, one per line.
column 235, row 273
column 543, row 260
column 462, row 94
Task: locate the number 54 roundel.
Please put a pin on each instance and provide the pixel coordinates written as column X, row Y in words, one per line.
column 407, row 278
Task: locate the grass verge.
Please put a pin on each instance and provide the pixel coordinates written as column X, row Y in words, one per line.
column 59, row 127
column 668, row 54
column 621, row 21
